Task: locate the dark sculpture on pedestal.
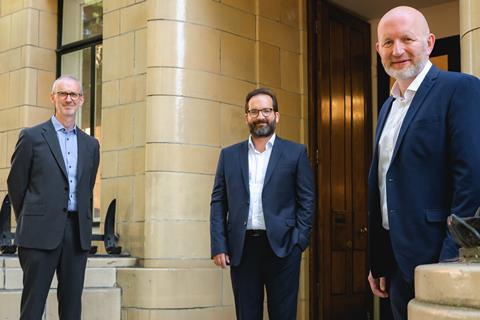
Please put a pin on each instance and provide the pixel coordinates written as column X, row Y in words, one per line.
column 466, row 232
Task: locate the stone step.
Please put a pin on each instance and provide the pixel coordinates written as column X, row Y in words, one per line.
column 94, row 262
column 97, row 304
column 454, row 284
column 428, row 311
column 94, row 278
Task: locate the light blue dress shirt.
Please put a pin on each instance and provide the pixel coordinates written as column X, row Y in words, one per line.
column 68, row 144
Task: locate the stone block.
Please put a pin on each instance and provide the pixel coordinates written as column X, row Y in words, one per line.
column 12, row 300
column 24, row 30
column 118, row 59
column 245, row 5
column 141, row 53
column 418, row 310
column 182, row 120
column 170, row 288
column 181, row 158
column 185, row 41
column 177, row 239
column 117, row 128
column 279, row 35
column 179, row 196
column 47, row 29
column 97, row 304
column 5, row 30
column 111, row 24
column 237, row 57
column 448, row 284
column 44, row 87
column 232, row 124
column 290, row 70
column 269, row 65
column 133, row 17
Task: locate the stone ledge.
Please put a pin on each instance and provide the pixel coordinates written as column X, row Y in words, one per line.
column 418, row 310
column 92, row 262
column 94, row 278
column 451, row 284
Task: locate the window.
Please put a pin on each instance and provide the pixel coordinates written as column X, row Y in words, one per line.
column 79, row 53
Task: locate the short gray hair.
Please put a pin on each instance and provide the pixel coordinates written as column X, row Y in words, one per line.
column 65, row 77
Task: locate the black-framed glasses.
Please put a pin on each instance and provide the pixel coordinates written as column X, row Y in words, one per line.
column 266, row 112
column 73, row 95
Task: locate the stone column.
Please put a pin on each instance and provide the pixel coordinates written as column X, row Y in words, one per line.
column 201, row 58
column 470, row 36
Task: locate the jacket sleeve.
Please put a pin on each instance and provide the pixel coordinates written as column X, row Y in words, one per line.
column 464, row 153
column 305, row 198
column 218, row 211
column 19, row 176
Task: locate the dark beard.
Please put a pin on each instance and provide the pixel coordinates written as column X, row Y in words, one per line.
column 262, row 131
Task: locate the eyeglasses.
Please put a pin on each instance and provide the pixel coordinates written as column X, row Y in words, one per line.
column 73, row 95
column 266, row 112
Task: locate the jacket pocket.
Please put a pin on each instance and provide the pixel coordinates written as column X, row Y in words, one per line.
column 436, row 215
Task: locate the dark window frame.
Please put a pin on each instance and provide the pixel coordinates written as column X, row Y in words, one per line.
column 61, row 50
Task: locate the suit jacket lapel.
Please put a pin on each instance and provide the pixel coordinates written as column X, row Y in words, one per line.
column 82, row 152
column 274, row 157
column 49, row 134
column 417, row 101
column 244, row 165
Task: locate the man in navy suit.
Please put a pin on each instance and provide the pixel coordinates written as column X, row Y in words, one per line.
column 263, row 201
column 426, row 162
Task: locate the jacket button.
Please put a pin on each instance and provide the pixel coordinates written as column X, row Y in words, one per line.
column 244, row 223
column 64, row 209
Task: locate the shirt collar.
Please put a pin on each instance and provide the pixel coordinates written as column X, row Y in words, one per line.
column 413, row 87
column 269, row 145
column 60, row 127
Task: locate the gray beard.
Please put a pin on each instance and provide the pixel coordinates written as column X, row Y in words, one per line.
column 409, row 73
column 263, row 131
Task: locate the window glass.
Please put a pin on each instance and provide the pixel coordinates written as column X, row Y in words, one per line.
column 82, row 19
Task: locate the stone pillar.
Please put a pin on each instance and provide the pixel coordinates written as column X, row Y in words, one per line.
column 28, row 35
column 446, row 291
column 470, row 36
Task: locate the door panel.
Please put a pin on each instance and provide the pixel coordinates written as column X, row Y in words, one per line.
column 343, row 133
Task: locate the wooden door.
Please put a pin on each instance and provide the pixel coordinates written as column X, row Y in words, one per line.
column 342, row 112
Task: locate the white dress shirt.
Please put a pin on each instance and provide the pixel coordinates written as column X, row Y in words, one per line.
column 390, row 132
column 257, row 168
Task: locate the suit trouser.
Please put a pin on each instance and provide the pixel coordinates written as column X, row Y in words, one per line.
column 39, row 266
column 400, row 292
column 260, row 268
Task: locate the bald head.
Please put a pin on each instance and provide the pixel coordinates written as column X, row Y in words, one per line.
column 404, row 44
column 405, row 15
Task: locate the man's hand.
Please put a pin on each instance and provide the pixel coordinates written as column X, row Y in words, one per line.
column 378, row 286
column 221, row 260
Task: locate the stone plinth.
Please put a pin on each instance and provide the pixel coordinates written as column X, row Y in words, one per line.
column 446, row 291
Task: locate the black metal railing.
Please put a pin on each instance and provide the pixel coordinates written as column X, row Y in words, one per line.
column 109, row 237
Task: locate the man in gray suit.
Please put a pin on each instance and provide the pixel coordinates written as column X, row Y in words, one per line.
column 50, row 187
